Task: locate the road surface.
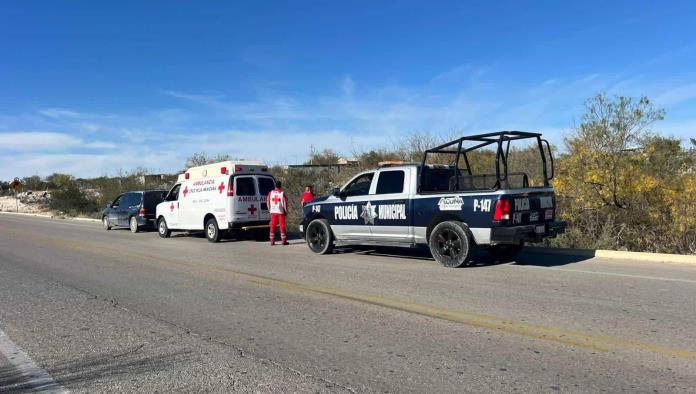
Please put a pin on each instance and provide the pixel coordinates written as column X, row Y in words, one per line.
column 94, row 310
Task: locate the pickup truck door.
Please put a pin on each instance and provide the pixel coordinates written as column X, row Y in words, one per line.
column 353, row 213
column 392, row 203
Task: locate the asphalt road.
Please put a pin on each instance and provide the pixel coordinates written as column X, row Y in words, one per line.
column 120, row 312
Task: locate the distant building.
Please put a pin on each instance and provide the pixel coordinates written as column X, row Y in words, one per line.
column 340, row 163
column 151, row 178
column 347, row 161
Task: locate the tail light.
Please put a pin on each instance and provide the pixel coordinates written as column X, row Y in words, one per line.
column 230, row 188
column 502, row 210
column 223, row 170
column 142, row 212
column 238, row 169
column 186, row 175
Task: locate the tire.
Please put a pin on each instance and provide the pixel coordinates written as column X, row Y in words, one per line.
column 212, row 231
column 133, row 225
column 162, row 228
column 320, row 239
column 106, row 223
column 450, row 244
column 505, row 251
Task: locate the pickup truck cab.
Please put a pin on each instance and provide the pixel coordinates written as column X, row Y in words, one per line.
column 446, row 207
column 218, row 198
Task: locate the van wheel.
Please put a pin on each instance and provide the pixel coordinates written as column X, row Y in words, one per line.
column 162, row 228
column 505, row 251
column 105, row 223
column 320, row 239
column 212, row 232
column 133, row 224
column 450, row 244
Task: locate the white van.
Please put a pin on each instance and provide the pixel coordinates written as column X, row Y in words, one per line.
column 218, row 197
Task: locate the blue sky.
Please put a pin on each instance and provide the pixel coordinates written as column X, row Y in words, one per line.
column 91, row 88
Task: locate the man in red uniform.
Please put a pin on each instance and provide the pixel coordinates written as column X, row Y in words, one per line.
column 307, row 196
column 278, row 207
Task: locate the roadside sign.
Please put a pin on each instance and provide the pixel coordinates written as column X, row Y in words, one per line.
column 16, row 185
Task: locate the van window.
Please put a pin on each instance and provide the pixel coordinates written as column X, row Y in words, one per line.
column 266, row 184
column 152, row 199
column 131, row 200
column 117, row 203
column 245, row 187
column 390, row 182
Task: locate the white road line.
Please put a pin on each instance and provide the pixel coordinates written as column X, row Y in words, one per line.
column 35, row 377
column 604, row 273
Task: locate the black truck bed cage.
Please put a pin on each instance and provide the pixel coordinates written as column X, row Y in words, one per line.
column 500, row 138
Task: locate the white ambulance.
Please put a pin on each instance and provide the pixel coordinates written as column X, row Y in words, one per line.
column 218, row 198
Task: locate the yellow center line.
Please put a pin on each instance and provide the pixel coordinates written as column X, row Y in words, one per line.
column 561, row 335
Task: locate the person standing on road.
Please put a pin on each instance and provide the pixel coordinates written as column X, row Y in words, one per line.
column 278, row 207
column 307, row 196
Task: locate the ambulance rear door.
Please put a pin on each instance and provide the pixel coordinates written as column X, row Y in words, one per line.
column 246, row 203
column 266, row 183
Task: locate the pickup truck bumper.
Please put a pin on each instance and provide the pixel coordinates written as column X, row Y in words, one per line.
column 531, row 233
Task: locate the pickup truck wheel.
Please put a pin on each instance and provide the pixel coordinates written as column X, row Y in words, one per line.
column 133, row 224
column 105, row 223
column 505, row 251
column 319, row 237
column 163, row 229
column 212, row 232
column 450, row 244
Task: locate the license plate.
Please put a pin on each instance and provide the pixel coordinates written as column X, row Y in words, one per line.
column 540, row 229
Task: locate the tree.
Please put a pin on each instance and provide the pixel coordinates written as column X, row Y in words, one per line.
column 622, row 186
column 33, row 182
column 601, row 148
column 70, row 199
column 57, row 180
column 201, row 158
column 325, row 157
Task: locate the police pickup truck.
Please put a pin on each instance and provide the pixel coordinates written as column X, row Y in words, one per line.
column 449, row 207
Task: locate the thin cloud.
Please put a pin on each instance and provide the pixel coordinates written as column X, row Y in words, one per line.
column 57, row 113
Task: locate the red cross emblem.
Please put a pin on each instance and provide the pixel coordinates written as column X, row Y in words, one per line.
column 185, row 191
column 221, row 187
column 275, row 199
column 252, row 209
column 171, row 207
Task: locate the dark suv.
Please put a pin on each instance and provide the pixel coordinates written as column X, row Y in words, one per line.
column 134, row 210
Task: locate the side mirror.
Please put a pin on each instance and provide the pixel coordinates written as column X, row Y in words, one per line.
column 340, row 193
